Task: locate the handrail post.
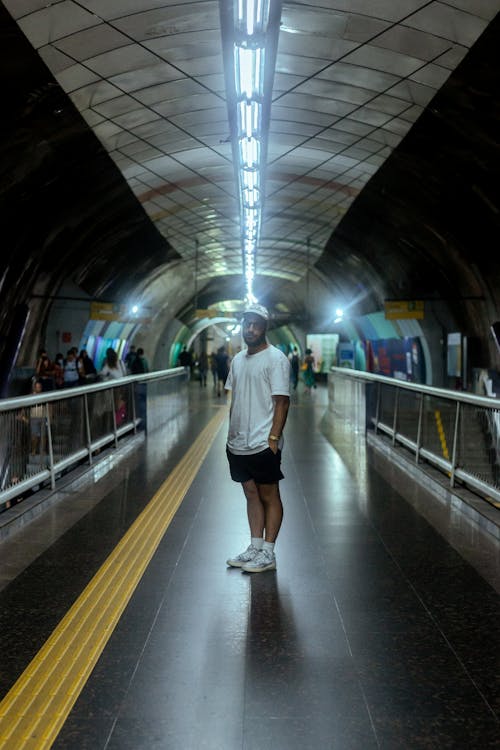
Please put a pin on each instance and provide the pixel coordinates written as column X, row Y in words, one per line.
column 395, row 418
column 133, row 391
column 377, row 408
column 87, row 426
column 113, row 411
column 51, row 451
column 419, row 428
column 455, row 442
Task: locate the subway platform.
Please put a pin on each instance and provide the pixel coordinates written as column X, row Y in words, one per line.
column 123, row 629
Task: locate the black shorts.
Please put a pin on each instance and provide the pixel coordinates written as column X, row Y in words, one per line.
column 263, row 467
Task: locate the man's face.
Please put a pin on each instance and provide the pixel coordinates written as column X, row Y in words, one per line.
column 254, row 330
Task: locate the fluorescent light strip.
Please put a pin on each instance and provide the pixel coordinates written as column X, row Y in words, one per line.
column 251, row 19
column 250, row 178
column 248, row 118
column 249, row 153
column 250, row 15
column 253, row 16
column 249, row 67
column 251, row 198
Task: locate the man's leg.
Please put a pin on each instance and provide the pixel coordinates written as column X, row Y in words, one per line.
column 255, row 509
column 255, row 513
column 269, row 495
column 270, row 502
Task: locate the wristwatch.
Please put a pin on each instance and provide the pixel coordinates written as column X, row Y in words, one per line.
column 273, row 437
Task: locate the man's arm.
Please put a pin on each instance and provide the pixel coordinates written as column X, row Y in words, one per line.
column 281, row 404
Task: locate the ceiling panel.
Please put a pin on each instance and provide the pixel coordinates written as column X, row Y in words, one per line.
column 351, row 78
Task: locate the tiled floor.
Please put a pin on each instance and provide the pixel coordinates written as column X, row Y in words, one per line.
column 374, row 632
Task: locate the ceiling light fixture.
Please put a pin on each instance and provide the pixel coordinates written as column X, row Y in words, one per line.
column 250, row 30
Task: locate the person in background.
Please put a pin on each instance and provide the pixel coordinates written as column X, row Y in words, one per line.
column 113, row 368
column 222, row 360
column 185, row 361
column 45, row 371
column 59, row 370
column 37, row 420
column 213, row 368
column 72, row 372
column 120, row 410
column 139, row 363
column 129, row 358
column 203, row 368
column 259, row 381
column 309, row 379
column 86, row 367
column 294, row 367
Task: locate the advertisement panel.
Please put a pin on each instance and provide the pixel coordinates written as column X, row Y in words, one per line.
column 397, row 358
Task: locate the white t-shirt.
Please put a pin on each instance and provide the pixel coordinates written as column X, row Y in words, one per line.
column 254, row 379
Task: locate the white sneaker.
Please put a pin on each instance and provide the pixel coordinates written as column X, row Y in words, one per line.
column 263, row 560
column 243, row 557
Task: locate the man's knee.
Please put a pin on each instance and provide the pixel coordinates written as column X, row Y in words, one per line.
column 250, row 490
column 269, row 493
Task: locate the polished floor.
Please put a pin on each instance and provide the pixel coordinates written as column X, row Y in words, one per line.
column 378, row 630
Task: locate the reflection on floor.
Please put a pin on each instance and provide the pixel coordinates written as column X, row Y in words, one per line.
column 374, row 632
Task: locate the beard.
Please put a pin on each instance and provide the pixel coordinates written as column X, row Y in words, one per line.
column 254, row 341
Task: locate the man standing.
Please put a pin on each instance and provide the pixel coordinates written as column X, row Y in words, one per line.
column 140, row 364
column 259, row 380
column 294, row 364
column 185, row 361
column 129, row 358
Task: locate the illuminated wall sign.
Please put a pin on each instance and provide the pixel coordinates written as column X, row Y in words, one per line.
column 112, row 311
column 402, row 309
column 211, row 313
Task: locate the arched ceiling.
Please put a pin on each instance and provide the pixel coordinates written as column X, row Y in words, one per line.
column 382, row 153
column 351, row 78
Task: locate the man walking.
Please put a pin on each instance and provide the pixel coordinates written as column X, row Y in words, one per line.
column 259, row 379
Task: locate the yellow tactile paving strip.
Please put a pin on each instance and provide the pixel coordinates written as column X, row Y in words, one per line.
column 34, row 710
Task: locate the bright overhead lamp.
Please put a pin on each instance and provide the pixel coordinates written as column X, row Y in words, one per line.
column 250, row 220
column 250, row 197
column 252, row 16
column 250, row 178
column 248, row 118
column 249, row 69
column 249, row 153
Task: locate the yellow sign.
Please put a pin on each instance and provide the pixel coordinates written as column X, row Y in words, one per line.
column 111, row 311
column 402, row 309
column 211, row 313
column 208, row 313
column 106, row 311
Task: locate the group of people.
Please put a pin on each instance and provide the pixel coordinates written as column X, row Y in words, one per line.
column 307, row 368
column 217, row 362
column 78, row 368
column 75, row 368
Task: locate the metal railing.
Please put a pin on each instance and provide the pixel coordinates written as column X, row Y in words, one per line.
column 455, row 432
column 44, row 435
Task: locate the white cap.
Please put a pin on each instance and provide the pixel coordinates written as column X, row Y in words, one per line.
column 257, row 310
